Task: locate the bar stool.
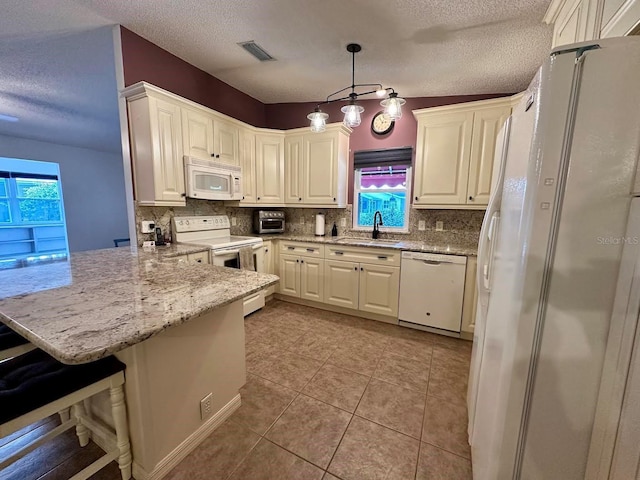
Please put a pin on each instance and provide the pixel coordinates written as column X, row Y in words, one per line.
column 34, row 386
column 12, row 344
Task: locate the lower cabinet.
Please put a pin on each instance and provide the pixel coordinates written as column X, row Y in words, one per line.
column 269, row 266
column 301, row 277
column 360, row 286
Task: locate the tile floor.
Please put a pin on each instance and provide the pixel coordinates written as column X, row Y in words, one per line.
column 328, row 396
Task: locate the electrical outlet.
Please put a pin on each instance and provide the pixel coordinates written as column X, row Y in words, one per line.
column 422, row 225
column 439, row 226
column 234, row 221
column 205, row 407
column 148, row 227
column 343, row 222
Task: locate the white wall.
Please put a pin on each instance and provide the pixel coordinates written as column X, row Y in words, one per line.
column 92, row 187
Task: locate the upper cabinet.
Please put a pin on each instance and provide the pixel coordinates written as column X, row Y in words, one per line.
column 581, row 20
column 155, row 129
column 269, row 173
column 248, row 165
column 316, row 167
column 455, row 151
column 208, row 137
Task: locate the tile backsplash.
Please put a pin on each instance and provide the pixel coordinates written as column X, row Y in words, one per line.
column 460, row 226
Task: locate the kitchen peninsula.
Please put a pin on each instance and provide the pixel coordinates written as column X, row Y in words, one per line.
column 178, row 327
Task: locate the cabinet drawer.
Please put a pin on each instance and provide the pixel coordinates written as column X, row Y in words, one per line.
column 374, row 256
column 302, row 249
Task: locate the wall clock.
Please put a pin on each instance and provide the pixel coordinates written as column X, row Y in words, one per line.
column 381, row 124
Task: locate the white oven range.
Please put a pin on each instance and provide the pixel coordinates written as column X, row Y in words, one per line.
column 215, row 232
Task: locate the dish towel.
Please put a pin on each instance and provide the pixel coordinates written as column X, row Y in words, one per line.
column 245, row 257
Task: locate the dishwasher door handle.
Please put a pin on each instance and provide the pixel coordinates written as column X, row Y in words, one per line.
column 433, row 262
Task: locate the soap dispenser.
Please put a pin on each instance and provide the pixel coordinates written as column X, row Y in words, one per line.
column 334, row 230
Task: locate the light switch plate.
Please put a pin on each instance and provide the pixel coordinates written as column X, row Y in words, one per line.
column 148, row 226
column 439, row 226
column 302, row 220
column 422, row 225
column 234, row 221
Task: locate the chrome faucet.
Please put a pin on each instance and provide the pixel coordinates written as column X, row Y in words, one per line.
column 376, row 230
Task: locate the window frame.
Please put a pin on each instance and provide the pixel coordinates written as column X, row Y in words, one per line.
column 407, row 204
column 14, row 206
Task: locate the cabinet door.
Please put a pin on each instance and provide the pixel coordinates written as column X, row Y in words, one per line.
column 293, row 146
column 289, row 272
column 312, row 279
column 470, row 299
column 341, row 281
column 320, row 169
column 225, row 142
column 379, row 289
column 570, row 27
column 198, row 134
column 168, row 166
column 269, row 169
column 486, row 125
column 442, row 159
column 269, row 267
column 248, row 165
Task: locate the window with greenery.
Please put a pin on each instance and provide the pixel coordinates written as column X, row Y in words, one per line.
column 382, row 183
column 32, row 226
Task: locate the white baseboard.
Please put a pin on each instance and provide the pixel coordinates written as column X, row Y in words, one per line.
column 169, row 462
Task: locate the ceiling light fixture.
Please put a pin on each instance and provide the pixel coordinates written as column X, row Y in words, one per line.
column 352, row 111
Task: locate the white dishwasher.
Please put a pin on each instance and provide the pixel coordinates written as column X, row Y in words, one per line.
column 431, row 291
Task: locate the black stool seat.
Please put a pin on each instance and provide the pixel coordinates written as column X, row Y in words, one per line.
column 34, row 379
column 9, row 338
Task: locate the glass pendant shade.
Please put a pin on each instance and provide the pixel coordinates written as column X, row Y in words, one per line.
column 318, row 120
column 352, row 114
column 393, row 106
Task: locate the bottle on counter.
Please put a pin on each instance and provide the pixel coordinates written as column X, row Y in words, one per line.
column 334, row 230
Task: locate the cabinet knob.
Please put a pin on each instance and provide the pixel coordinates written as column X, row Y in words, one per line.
column 334, row 199
column 258, row 198
column 361, row 269
column 301, row 261
column 183, row 194
column 213, row 155
column 470, row 198
column 416, row 198
column 297, row 261
column 300, row 199
column 355, row 268
column 243, row 197
column 217, row 156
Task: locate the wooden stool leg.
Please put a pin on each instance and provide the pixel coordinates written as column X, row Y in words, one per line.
column 82, row 431
column 64, row 415
column 119, row 412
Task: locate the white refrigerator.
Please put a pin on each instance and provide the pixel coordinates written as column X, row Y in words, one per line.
column 549, row 262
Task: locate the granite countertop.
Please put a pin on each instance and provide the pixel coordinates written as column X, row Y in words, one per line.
column 172, row 250
column 466, row 249
column 103, row 301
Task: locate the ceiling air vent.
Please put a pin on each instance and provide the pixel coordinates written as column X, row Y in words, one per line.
column 256, row 50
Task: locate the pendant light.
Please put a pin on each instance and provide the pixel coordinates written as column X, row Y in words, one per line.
column 353, row 111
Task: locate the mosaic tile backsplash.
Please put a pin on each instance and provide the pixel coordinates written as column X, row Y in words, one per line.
column 460, row 226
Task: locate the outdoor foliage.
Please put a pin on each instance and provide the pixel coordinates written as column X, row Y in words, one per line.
column 391, row 217
column 40, row 203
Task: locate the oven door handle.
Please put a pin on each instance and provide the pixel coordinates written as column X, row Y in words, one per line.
column 233, row 252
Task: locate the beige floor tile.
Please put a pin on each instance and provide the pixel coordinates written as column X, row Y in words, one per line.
column 451, row 358
column 362, row 359
column 394, row 407
column 457, row 344
column 311, row 429
column 403, row 371
column 437, row 464
column 371, row 452
column 262, row 403
column 445, row 426
column 281, row 336
column 256, row 352
column 448, row 384
column 286, row 368
column 318, row 347
column 337, row 386
column 270, row 462
column 419, row 350
column 218, row 455
column 328, row 476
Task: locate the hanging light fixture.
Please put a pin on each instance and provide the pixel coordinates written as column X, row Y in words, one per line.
column 352, row 111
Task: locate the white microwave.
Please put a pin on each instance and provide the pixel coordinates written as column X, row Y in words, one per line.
column 211, row 180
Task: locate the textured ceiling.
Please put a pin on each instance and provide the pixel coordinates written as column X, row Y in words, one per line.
column 57, row 74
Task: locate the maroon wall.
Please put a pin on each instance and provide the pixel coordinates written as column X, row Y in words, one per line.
column 404, row 133
column 146, row 61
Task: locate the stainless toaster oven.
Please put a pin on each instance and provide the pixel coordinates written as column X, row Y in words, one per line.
column 268, row 221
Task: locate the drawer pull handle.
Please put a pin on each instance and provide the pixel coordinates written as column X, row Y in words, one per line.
column 339, row 253
column 291, row 248
column 432, row 262
column 311, row 249
column 382, row 257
